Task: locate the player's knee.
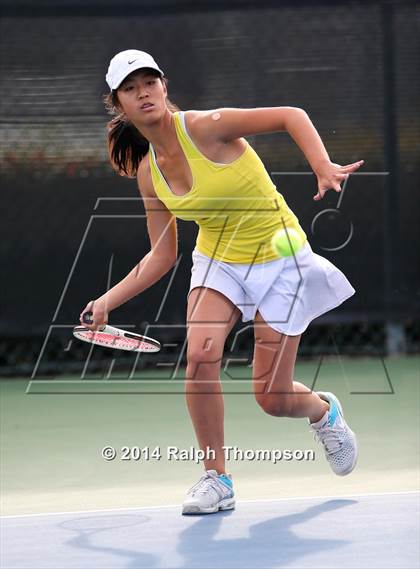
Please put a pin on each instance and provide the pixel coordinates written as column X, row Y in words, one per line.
column 207, row 353
column 276, row 404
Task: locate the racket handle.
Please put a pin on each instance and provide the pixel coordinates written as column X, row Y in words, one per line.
column 87, row 317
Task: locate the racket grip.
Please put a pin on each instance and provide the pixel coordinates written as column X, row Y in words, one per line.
column 87, row 317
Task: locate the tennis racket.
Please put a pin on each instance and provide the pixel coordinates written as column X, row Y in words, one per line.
column 112, row 337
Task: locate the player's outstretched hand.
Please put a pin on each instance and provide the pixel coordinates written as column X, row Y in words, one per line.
column 331, row 175
column 98, row 316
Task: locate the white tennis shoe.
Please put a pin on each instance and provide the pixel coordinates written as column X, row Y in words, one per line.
column 340, row 443
column 213, row 492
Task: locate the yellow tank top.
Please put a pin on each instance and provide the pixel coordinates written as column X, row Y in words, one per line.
column 236, row 206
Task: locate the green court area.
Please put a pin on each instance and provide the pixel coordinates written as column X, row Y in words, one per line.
column 53, row 432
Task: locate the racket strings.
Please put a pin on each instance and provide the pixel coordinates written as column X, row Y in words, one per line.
column 112, row 341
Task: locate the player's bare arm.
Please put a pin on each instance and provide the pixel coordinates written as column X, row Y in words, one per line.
column 162, row 230
column 227, row 124
column 161, row 223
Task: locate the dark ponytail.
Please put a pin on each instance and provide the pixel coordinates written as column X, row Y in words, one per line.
column 126, row 145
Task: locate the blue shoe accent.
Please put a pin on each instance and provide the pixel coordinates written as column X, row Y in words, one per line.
column 333, row 411
column 226, row 480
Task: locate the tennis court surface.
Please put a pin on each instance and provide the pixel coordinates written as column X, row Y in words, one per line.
column 64, row 506
column 343, row 532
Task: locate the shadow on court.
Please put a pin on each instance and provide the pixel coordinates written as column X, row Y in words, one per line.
column 378, row 530
column 88, row 528
column 270, row 543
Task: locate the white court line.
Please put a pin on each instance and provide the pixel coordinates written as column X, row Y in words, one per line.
column 271, row 500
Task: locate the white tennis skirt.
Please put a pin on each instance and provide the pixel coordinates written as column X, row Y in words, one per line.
column 288, row 292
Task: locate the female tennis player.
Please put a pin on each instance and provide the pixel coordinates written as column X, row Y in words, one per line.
column 197, row 165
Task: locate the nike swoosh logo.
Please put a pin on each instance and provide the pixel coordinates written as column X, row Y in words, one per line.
column 130, row 62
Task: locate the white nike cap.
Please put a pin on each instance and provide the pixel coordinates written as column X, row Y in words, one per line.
column 125, row 62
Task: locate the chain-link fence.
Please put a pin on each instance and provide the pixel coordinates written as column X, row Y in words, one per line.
column 352, row 66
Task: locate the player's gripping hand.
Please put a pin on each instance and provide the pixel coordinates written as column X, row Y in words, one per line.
column 98, row 316
column 331, row 175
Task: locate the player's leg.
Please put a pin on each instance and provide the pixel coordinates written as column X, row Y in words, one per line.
column 273, row 372
column 210, row 318
column 278, row 394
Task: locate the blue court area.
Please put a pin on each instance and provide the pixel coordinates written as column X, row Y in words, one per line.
column 370, row 531
column 127, row 513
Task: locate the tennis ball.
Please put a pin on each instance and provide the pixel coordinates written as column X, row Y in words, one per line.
column 286, row 242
